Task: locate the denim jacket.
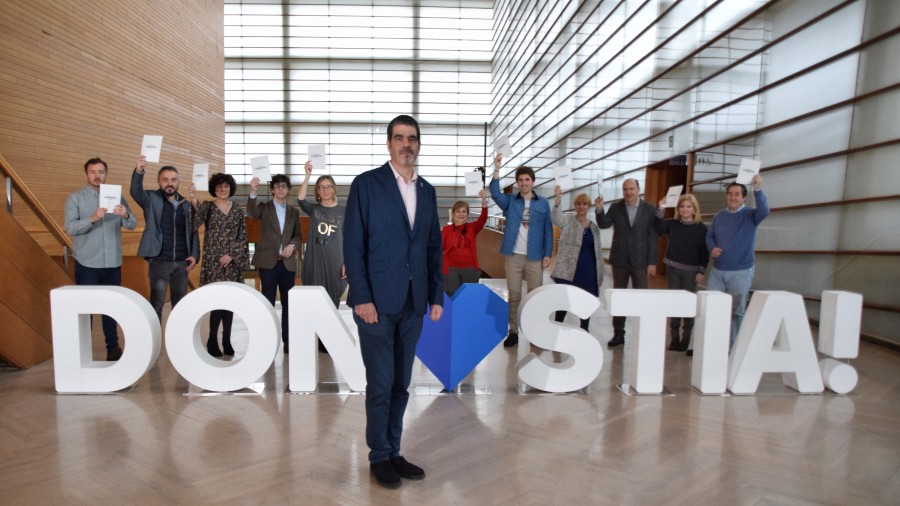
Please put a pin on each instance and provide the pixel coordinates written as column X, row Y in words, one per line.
column 540, row 229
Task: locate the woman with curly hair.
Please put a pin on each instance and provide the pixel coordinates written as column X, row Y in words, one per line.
column 225, row 253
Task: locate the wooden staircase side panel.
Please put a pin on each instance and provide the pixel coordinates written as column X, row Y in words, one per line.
column 28, row 276
column 492, row 263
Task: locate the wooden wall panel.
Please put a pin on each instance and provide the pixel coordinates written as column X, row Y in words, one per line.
column 85, row 78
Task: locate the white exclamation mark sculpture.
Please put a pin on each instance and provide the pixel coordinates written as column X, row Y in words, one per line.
column 839, row 324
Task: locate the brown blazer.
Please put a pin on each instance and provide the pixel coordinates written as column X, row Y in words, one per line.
column 271, row 238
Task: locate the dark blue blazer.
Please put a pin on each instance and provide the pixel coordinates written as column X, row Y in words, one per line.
column 383, row 257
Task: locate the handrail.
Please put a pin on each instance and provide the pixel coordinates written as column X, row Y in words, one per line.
column 55, row 230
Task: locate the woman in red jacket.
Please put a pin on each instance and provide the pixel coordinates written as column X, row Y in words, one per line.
column 458, row 239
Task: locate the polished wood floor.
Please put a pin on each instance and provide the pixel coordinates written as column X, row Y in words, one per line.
column 155, row 445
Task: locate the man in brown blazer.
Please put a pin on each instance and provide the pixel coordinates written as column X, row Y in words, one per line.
column 276, row 254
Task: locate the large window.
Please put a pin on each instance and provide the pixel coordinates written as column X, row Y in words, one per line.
column 301, row 72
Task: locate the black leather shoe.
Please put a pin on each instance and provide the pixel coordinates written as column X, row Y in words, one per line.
column 113, row 354
column 227, row 349
column 407, row 470
column 511, row 340
column 385, row 474
column 690, row 353
column 615, row 341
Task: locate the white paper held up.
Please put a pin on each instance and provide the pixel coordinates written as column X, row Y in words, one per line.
column 151, row 147
column 749, row 168
column 110, row 196
column 502, row 146
column 260, row 167
column 200, row 178
column 673, row 194
column 316, row 153
column 563, row 175
column 474, row 184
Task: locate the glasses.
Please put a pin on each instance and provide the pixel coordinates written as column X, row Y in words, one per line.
column 280, row 186
column 326, row 187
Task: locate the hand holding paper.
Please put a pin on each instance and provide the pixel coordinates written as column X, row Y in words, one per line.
column 563, row 175
column 748, row 169
column 151, row 147
column 110, row 196
column 672, row 195
column 502, row 146
column 473, row 183
column 316, row 154
column 201, row 175
column 260, row 167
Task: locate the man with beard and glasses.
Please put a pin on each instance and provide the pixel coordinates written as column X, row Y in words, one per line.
column 96, row 236
column 169, row 242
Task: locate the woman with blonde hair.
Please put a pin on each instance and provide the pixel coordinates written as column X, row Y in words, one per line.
column 686, row 258
column 458, row 242
column 579, row 259
column 323, row 260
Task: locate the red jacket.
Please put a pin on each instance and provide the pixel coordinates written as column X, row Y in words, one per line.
column 459, row 243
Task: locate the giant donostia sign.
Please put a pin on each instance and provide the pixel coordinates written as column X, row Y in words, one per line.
column 775, row 338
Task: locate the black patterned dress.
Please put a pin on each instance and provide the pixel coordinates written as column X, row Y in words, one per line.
column 226, row 234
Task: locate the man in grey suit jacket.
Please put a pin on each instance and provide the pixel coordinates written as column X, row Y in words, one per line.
column 392, row 253
column 275, row 255
column 635, row 244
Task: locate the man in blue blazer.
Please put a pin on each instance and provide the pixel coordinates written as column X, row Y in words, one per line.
column 392, row 253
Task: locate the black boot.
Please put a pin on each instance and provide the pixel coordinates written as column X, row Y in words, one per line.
column 226, row 346
column 686, row 334
column 212, row 346
column 674, row 340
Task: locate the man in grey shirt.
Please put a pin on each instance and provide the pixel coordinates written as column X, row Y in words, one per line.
column 96, row 235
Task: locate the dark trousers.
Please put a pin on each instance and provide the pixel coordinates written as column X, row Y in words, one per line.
column 681, row 279
column 278, row 279
column 165, row 274
column 621, row 275
column 561, row 317
column 388, row 350
column 103, row 276
column 456, row 276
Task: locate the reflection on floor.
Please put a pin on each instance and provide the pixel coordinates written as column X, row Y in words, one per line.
column 152, row 444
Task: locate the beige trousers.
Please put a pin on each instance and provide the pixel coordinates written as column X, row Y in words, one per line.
column 518, row 267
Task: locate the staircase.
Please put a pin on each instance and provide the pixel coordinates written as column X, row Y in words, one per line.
column 28, row 275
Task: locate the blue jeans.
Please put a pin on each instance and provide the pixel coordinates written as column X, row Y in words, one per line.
column 388, row 350
column 278, row 279
column 104, row 276
column 736, row 284
column 166, row 274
